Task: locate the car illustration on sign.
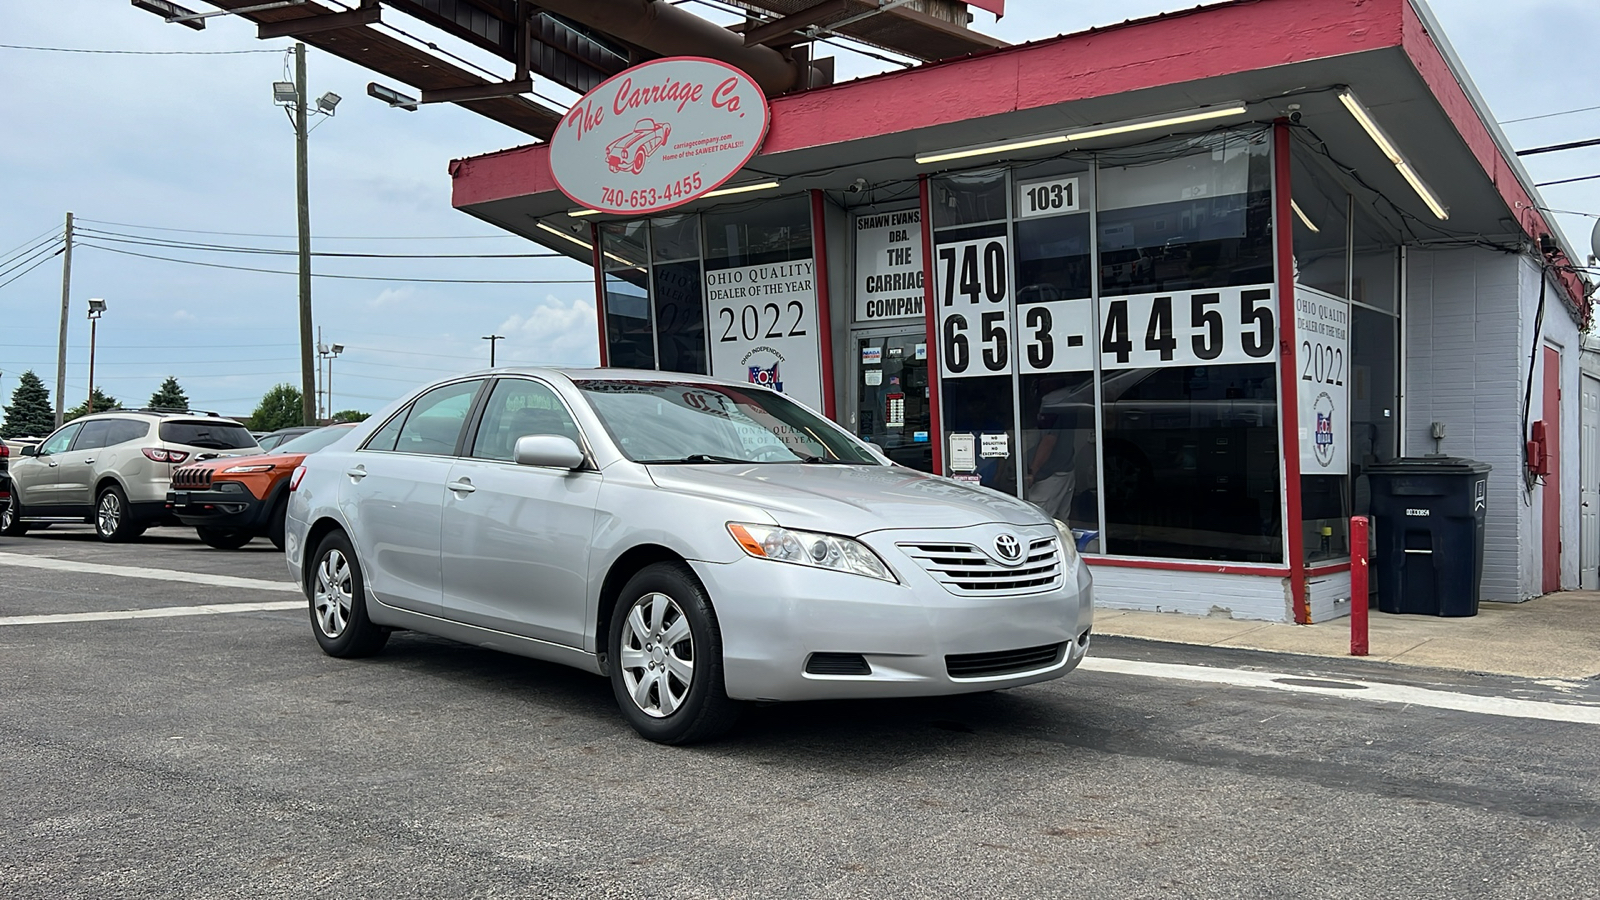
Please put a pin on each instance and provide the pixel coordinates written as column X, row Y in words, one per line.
column 629, row 152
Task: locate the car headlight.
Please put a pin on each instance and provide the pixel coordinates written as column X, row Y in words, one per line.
column 1069, row 542
column 808, row 548
column 243, row 470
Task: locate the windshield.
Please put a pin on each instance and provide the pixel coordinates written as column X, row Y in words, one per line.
column 312, row 441
column 687, row 422
column 220, row 435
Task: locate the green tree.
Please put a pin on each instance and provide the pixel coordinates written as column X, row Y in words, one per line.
column 350, row 415
column 102, row 402
column 170, row 396
column 279, row 408
column 30, row 412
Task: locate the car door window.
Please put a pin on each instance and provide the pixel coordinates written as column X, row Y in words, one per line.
column 434, row 425
column 125, row 430
column 93, row 435
column 384, row 438
column 517, row 408
column 60, row 441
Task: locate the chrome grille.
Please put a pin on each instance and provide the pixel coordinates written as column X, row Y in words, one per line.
column 964, row 569
column 192, row 478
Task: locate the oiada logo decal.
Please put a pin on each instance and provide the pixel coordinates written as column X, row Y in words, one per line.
column 658, row 135
column 766, row 377
column 761, row 364
column 1322, row 438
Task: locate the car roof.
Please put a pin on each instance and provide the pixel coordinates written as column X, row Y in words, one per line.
column 609, row 374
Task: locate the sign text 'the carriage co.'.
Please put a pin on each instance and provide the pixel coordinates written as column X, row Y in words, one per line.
column 658, row 135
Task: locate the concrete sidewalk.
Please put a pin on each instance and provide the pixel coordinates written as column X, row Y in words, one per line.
column 1554, row 636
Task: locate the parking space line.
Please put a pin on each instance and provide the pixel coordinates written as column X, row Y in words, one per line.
column 1351, row 689
column 164, row 612
column 88, row 568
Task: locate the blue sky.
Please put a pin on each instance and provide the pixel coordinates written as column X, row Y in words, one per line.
column 194, row 142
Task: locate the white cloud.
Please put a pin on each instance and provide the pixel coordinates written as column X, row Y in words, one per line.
column 555, row 332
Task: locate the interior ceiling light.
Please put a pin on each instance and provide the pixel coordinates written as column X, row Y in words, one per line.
column 562, row 234
column 742, row 189
column 1388, row 149
column 1304, row 218
column 580, row 211
column 1164, row 121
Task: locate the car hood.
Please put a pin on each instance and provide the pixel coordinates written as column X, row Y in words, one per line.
column 847, row 499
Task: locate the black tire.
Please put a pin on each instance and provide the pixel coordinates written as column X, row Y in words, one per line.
column 113, row 520
column 224, row 538
column 276, row 519
column 702, row 710
column 11, row 518
column 337, row 594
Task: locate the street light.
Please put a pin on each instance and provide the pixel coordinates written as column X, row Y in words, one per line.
column 391, row 96
column 97, row 308
column 329, row 353
column 292, row 96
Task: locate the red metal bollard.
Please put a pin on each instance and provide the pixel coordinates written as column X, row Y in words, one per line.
column 1358, row 585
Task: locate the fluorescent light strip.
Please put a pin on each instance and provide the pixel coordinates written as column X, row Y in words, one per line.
column 1232, row 109
column 580, row 211
column 997, row 148
column 742, row 189
column 1303, row 217
column 559, row 233
column 1387, row 148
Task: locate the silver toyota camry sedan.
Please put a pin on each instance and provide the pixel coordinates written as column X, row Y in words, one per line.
column 699, row 542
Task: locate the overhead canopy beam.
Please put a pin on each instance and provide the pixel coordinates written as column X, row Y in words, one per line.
column 772, row 32
column 366, row 15
column 478, row 92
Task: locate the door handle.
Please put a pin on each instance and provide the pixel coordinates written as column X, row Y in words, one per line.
column 357, row 473
column 89, row 461
column 461, row 487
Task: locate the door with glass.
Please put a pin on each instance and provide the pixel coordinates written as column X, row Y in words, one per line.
column 892, row 397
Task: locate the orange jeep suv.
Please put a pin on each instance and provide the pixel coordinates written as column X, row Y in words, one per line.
column 233, row 500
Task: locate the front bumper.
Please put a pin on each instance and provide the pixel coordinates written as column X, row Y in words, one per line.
column 774, row 616
column 218, row 509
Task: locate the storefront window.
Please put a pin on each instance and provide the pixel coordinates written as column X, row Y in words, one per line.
column 772, row 231
column 679, row 304
column 1187, row 342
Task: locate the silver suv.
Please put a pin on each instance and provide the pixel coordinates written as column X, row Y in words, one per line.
column 113, row 469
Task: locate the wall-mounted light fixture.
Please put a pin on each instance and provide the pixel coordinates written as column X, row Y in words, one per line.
column 1388, row 149
column 1145, row 124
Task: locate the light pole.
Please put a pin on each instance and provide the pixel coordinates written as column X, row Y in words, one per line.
column 97, row 308
column 329, row 353
column 292, row 96
column 493, row 339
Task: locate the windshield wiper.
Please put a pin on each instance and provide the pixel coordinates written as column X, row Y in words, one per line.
column 698, row 458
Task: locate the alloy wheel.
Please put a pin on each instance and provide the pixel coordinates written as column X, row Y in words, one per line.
column 108, row 518
column 334, row 593
column 657, row 656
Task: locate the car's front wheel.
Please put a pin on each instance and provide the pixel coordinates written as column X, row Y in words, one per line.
column 113, row 521
column 224, row 538
column 338, row 602
column 665, row 654
column 11, row 518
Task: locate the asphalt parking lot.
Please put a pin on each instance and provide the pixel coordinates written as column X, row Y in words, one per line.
column 221, row 754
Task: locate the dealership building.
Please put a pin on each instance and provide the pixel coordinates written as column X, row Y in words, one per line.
column 1181, row 281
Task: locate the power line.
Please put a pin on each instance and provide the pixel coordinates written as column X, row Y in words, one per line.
column 137, row 52
column 1565, row 112
column 47, row 249
column 25, row 271
column 53, row 229
column 122, row 238
column 1552, row 148
column 1568, row 181
column 317, row 237
column 194, row 262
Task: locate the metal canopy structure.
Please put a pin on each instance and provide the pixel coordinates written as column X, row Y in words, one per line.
column 577, row 44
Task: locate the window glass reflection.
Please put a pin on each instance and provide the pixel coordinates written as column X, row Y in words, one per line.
column 629, row 343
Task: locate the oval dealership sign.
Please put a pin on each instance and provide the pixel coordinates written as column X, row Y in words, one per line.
column 658, row 135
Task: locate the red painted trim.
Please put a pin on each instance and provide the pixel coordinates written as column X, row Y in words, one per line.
column 1120, row 562
column 1436, row 73
column 931, row 329
column 599, row 293
column 1209, row 42
column 1327, row 569
column 1359, row 595
column 1288, row 390
column 819, row 252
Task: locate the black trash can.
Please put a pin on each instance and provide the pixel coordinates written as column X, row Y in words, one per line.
column 1428, row 547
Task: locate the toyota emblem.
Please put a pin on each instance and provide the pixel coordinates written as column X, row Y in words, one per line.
column 1009, row 548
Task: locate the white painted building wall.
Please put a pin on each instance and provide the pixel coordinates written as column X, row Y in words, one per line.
column 1264, row 597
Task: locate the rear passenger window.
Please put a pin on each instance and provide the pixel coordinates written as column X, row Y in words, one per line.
column 435, row 422
column 384, row 438
column 125, row 430
column 93, row 435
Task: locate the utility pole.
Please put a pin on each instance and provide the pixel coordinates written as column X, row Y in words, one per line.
column 61, row 346
column 493, row 339
column 308, row 375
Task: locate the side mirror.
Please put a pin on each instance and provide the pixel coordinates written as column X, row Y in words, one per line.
column 30, row 450
column 877, row 448
column 549, row 451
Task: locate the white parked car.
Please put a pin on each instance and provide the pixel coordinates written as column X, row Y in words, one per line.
column 699, row 542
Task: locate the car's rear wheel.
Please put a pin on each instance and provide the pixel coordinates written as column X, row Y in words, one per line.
column 11, row 519
column 113, row 521
column 638, row 161
column 665, row 653
column 224, row 538
column 338, row 602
